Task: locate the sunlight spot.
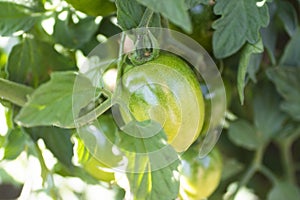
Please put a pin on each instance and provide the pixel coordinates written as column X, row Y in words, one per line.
column 48, row 24
column 261, row 3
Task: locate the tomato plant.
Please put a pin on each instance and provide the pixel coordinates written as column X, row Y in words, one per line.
column 60, row 125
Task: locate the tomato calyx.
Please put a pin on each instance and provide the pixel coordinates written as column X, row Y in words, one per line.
column 146, row 48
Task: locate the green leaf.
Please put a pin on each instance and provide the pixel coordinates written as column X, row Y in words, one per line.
column 32, row 61
column 153, row 182
column 288, row 16
column 269, row 37
column 193, row 3
column 16, row 142
column 268, row 121
column 129, row 13
column 231, row 167
column 74, row 35
column 240, row 22
column 284, row 190
column 290, row 56
column 57, row 140
column 15, row 17
column 51, row 103
column 287, row 81
column 243, row 134
column 160, row 184
column 244, row 65
column 174, row 10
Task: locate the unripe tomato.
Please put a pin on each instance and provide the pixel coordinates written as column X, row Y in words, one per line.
column 93, row 7
column 199, row 176
column 93, row 166
column 167, row 91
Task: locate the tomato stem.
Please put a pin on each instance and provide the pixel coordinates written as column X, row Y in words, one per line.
column 146, row 18
column 14, row 92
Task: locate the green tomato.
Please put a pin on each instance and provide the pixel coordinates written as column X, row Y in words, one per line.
column 94, row 7
column 167, row 91
column 199, row 177
column 94, row 167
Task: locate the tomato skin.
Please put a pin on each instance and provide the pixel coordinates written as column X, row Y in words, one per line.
column 94, row 7
column 93, row 166
column 199, row 177
column 166, row 90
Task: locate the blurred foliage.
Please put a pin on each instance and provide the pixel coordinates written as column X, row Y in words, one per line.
column 255, row 44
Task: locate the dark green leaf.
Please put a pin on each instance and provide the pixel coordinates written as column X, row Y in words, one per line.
column 57, row 140
column 291, row 54
column 74, row 35
column 240, row 22
column 16, row 142
column 32, row 61
column 267, row 119
column 269, row 37
column 288, row 16
column 51, row 103
column 255, row 61
column 244, row 65
column 243, row 134
column 174, row 10
column 284, row 190
column 287, row 81
column 15, row 17
column 129, row 13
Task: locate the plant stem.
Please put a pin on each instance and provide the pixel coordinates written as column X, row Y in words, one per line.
column 287, row 160
column 268, row 173
column 146, row 18
column 46, row 173
column 14, row 92
column 255, row 165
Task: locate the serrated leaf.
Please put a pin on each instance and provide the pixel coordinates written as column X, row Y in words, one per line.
column 51, row 103
column 130, row 13
column 284, row 190
column 57, row 140
column 152, row 182
column 15, row 17
column 288, row 16
column 174, row 10
column 287, row 81
column 74, row 35
column 291, row 54
column 32, row 61
column 243, row 134
column 244, row 65
column 268, row 121
column 16, row 142
column 240, row 22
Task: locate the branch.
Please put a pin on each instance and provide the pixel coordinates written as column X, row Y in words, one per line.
column 14, row 92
